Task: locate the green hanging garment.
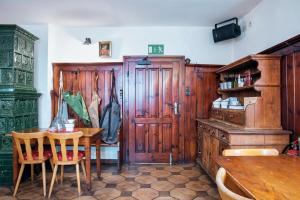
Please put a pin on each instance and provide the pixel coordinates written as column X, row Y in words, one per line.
column 76, row 102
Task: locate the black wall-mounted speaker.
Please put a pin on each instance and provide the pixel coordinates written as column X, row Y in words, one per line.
column 227, row 31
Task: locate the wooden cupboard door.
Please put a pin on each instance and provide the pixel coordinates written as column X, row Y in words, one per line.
column 153, row 125
column 206, row 150
column 214, row 148
column 200, row 141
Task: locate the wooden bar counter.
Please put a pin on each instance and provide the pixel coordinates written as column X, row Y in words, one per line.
column 265, row 178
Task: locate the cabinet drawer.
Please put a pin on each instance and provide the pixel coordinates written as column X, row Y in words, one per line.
column 222, row 147
column 223, row 136
column 235, row 117
column 217, row 114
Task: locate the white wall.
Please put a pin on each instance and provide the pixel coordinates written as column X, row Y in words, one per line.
column 193, row 42
column 269, row 23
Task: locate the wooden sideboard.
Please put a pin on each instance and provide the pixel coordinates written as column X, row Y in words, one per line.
column 258, row 125
column 214, row 136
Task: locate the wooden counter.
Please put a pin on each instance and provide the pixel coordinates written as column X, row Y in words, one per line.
column 232, row 129
column 214, row 136
column 265, row 178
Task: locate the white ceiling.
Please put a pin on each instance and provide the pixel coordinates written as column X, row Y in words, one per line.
column 123, row 12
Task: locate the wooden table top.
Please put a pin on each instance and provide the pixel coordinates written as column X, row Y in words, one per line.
column 271, row 177
column 87, row 132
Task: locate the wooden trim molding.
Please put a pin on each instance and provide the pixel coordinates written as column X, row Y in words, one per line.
column 289, row 44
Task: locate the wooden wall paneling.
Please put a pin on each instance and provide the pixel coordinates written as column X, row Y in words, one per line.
column 202, row 81
column 284, row 93
column 190, row 113
column 200, row 78
column 296, row 63
column 289, row 50
column 125, row 118
column 86, row 74
column 291, row 93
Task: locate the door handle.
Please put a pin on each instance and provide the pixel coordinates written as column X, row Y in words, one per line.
column 176, row 108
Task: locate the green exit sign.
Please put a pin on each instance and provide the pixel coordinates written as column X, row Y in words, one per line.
column 156, row 49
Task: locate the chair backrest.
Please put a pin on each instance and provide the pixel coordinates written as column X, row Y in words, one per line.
column 250, row 152
column 62, row 139
column 27, row 139
column 224, row 192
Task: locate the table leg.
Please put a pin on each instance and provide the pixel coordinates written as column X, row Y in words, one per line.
column 87, row 146
column 98, row 157
column 15, row 163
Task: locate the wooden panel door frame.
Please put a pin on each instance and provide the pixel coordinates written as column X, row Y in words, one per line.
column 180, row 61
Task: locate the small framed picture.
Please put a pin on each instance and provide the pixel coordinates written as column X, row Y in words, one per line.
column 105, row 49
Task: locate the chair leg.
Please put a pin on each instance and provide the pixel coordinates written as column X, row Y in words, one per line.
column 61, row 174
column 52, row 180
column 78, row 179
column 44, row 177
column 19, row 179
column 32, row 172
column 52, row 167
column 83, row 168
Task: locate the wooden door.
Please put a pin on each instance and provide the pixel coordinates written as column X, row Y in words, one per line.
column 153, row 124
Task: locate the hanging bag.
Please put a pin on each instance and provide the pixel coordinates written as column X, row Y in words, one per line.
column 111, row 115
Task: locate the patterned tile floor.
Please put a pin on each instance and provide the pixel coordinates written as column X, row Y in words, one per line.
column 142, row 182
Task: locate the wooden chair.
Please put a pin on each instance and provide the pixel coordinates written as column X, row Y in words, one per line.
column 250, row 152
column 66, row 157
column 224, row 192
column 31, row 156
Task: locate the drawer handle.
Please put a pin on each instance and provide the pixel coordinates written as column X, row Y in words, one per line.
column 231, row 115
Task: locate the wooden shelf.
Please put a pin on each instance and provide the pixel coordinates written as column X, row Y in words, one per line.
column 255, row 73
column 263, row 94
column 249, row 60
column 228, row 109
column 238, row 89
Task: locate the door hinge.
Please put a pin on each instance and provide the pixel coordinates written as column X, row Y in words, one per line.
column 127, row 153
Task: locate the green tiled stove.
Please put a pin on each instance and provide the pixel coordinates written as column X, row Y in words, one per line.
column 18, row 97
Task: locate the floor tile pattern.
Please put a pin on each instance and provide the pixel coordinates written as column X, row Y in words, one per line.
column 133, row 182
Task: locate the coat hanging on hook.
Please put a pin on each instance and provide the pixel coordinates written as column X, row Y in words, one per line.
column 94, row 106
column 76, row 102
